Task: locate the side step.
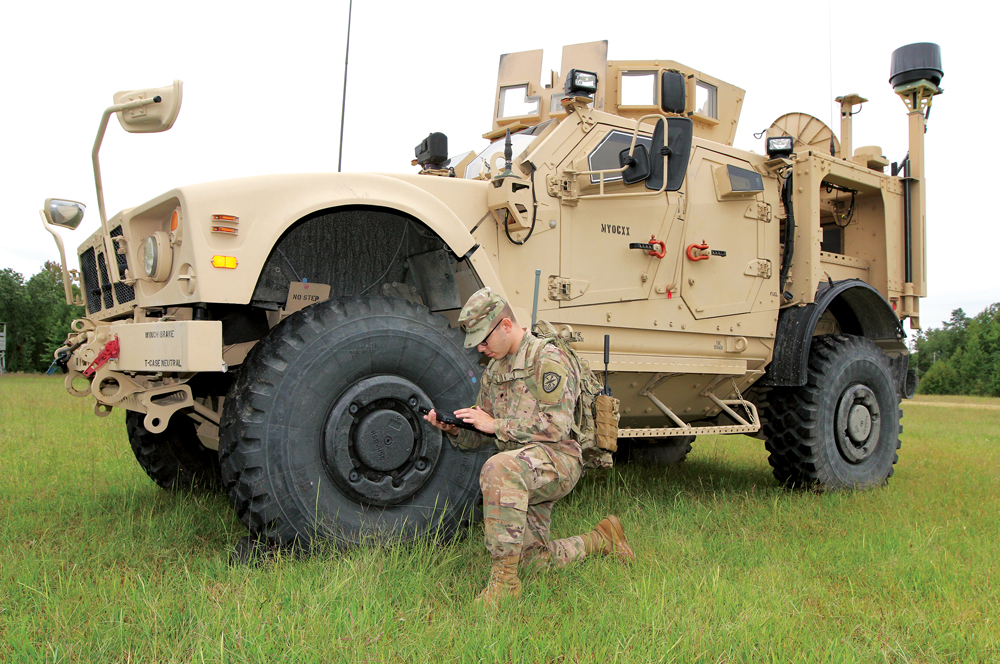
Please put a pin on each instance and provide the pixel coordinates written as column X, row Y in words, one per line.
column 743, row 425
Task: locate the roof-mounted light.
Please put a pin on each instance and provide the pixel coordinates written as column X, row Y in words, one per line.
column 780, row 146
column 581, row 83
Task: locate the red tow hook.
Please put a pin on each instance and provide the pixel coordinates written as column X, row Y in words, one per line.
column 663, row 247
column 650, row 247
column 698, row 252
column 110, row 351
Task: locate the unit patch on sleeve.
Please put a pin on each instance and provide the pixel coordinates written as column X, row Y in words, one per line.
column 553, row 382
column 550, row 381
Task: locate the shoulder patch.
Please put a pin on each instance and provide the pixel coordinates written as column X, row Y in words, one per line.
column 553, row 382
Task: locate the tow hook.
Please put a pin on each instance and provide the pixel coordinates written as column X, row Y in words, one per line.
column 62, row 358
column 698, row 252
column 650, row 247
column 110, row 351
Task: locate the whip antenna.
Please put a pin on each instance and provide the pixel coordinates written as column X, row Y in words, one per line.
column 343, row 102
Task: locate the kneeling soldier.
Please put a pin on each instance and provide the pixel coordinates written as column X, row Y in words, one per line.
column 526, row 403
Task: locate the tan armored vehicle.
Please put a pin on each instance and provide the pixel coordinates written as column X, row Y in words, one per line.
column 279, row 335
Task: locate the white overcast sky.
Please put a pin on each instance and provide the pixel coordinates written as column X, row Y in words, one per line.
column 263, row 82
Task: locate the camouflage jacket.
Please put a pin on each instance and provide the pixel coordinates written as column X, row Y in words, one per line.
column 533, row 406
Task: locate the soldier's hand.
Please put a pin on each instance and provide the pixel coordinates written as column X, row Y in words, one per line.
column 449, row 429
column 478, row 418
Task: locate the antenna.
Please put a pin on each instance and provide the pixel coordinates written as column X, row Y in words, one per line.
column 607, row 357
column 343, row 101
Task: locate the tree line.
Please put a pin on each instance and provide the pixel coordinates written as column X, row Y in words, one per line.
column 36, row 315
column 962, row 356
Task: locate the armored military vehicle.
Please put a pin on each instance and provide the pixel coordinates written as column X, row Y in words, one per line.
column 279, row 335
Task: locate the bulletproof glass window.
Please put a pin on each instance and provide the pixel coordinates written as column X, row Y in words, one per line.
column 706, row 100
column 638, row 88
column 606, row 154
column 742, row 180
column 515, row 102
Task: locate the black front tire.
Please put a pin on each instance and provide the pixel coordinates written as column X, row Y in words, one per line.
column 841, row 429
column 322, row 436
column 175, row 458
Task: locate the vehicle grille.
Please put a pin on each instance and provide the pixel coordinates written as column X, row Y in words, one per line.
column 100, row 291
column 105, row 281
column 88, row 265
column 123, row 293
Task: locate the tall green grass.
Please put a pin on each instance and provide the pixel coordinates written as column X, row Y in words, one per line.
column 98, row 564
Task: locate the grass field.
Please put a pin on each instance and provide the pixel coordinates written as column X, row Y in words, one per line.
column 98, row 564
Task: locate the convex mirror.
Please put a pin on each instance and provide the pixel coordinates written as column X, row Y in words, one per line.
column 63, row 213
column 158, row 116
column 638, row 165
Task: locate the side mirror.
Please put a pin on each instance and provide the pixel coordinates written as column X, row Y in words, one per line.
column 154, row 117
column 638, row 164
column 63, row 213
column 679, row 133
column 673, row 92
column 656, row 154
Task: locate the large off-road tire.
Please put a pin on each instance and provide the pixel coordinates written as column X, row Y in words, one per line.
column 664, row 452
column 841, row 429
column 322, row 436
column 175, row 458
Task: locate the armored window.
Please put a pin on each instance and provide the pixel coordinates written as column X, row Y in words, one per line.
column 742, row 180
column 515, row 102
column 706, row 100
column 638, row 88
column 605, row 155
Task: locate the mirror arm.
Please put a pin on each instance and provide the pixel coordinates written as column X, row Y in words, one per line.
column 109, row 249
column 62, row 259
column 100, row 139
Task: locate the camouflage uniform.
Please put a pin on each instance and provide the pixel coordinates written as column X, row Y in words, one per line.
column 539, row 461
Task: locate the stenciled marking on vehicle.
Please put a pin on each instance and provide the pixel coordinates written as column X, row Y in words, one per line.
column 162, row 363
column 615, row 230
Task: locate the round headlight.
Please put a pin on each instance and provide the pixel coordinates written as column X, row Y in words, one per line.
column 157, row 256
column 150, row 256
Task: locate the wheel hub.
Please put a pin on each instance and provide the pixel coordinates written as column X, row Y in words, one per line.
column 384, row 440
column 857, row 423
column 377, row 447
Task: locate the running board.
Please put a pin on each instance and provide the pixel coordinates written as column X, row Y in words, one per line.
column 684, row 429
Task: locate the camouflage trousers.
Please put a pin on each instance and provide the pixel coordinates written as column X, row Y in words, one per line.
column 519, row 488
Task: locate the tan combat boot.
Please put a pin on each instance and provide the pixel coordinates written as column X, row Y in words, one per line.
column 609, row 538
column 503, row 582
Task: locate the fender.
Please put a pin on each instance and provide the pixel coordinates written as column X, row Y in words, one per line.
column 267, row 206
column 859, row 309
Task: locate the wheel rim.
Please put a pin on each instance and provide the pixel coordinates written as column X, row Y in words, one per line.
column 858, row 424
column 377, row 447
